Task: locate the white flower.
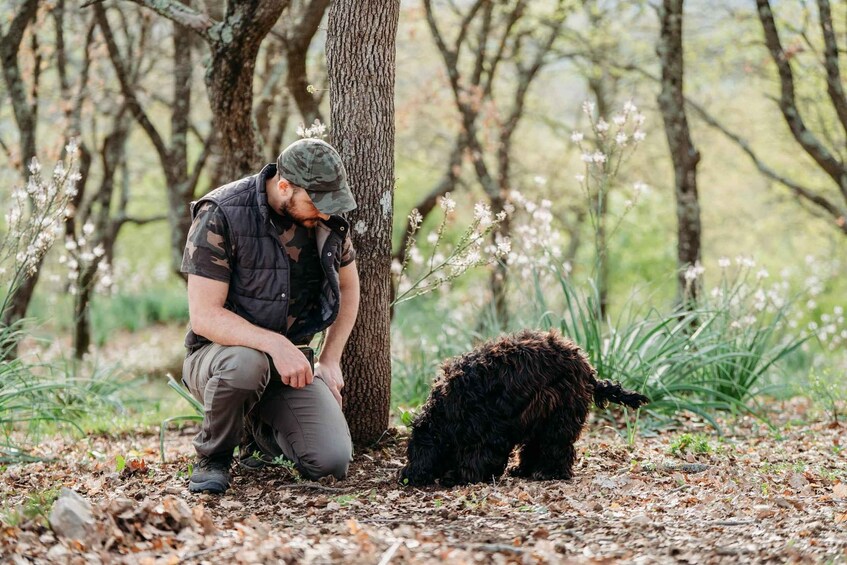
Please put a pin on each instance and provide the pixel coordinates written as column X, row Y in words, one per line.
column 639, row 135
column 539, row 180
column 415, row 219
column 482, row 212
column 602, row 125
column 762, row 274
column 640, row 188
column 577, row 136
column 598, row 157
column 619, row 119
column 88, row 228
column 396, row 267
column 34, row 166
column 447, row 203
column 504, row 247
column 724, row 262
column 639, row 119
column 694, row 271
column 579, row 178
column 620, row 138
column 588, row 107
column 432, row 237
column 587, row 157
column 629, row 107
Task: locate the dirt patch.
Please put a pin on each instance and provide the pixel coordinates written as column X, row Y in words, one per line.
column 755, row 495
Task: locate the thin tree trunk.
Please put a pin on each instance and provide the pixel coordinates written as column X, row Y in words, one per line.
column 683, row 153
column 25, row 118
column 600, row 201
column 361, row 65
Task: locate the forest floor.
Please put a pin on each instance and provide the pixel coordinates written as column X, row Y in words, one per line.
column 756, row 494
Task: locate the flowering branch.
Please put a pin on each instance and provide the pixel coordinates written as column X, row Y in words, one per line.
column 445, row 266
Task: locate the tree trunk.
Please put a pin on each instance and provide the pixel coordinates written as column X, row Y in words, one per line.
column 180, row 189
column 360, row 53
column 229, row 81
column 683, row 153
column 25, row 118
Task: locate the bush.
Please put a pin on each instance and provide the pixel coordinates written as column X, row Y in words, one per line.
column 33, row 395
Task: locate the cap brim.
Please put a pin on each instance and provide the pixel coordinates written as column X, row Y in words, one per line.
column 336, row 201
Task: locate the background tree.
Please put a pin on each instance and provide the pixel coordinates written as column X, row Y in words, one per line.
column 25, row 101
column 234, row 43
column 285, row 75
column 829, row 157
column 180, row 179
column 360, row 54
column 491, row 35
column 684, row 155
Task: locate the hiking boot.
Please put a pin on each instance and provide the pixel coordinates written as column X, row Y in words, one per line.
column 251, row 456
column 211, row 474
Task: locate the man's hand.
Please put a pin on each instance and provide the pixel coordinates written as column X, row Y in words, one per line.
column 330, row 373
column 291, row 364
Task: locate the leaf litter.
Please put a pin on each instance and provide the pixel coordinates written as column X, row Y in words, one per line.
column 755, row 496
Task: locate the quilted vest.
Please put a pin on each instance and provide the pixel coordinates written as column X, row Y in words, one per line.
column 259, row 285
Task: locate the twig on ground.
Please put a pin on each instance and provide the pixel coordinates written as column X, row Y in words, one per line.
column 389, row 553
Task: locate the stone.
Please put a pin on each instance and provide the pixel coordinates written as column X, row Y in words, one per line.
column 71, row 516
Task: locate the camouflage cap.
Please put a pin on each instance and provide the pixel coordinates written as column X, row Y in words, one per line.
column 313, row 165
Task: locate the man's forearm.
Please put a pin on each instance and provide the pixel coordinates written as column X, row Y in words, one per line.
column 339, row 331
column 225, row 327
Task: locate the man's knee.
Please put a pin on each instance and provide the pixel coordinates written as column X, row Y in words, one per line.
column 242, row 367
column 331, row 460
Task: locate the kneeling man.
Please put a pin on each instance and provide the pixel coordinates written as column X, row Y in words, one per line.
column 269, row 265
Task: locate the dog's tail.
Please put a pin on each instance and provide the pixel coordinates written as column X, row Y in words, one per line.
column 607, row 391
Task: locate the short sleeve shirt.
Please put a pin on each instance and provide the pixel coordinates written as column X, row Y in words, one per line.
column 208, row 254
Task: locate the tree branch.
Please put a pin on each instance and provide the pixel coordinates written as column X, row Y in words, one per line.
column 834, row 87
column 799, row 190
column 788, row 102
column 127, row 89
column 178, row 12
column 208, row 144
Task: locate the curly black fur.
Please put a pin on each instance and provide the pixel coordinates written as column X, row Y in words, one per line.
column 529, row 390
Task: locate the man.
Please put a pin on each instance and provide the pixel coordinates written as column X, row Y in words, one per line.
column 270, row 265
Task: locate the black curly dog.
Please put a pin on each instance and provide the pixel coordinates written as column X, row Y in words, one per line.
column 529, row 390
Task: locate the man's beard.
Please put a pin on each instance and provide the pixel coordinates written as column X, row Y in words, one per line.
column 298, row 217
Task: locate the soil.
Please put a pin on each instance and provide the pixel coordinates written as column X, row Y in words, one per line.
column 756, row 494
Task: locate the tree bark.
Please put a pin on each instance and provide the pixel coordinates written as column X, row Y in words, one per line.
column 361, row 66
column 683, row 153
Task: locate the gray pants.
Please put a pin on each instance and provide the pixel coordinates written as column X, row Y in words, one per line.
column 239, row 387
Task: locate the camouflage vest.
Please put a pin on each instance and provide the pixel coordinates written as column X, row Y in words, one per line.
column 259, row 285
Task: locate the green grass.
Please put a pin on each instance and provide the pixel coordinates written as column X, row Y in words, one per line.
column 36, row 507
column 695, row 443
column 124, row 311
